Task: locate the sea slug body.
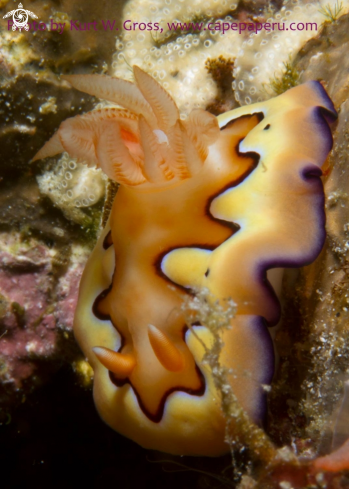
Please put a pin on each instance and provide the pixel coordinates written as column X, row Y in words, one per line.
column 206, row 203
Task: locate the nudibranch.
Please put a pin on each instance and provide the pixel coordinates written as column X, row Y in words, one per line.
column 210, row 203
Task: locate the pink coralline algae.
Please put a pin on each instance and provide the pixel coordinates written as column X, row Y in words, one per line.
column 67, row 293
column 36, row 314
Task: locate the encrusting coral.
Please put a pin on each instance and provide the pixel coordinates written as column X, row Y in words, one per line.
column 176, row 57
column 71, row 186
column 267, row 56
column 184, row 218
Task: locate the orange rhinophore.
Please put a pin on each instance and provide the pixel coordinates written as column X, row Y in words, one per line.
column 119, row 363
column 217, row 204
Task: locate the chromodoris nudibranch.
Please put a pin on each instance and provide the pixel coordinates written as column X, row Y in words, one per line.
column 207, row 202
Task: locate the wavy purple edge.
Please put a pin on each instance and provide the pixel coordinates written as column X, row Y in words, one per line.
column 311, row 174
column 266, row 345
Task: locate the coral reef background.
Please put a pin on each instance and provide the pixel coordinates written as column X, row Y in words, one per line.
column 51, row 212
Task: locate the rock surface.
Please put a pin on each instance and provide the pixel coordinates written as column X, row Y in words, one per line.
column 38, row 294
